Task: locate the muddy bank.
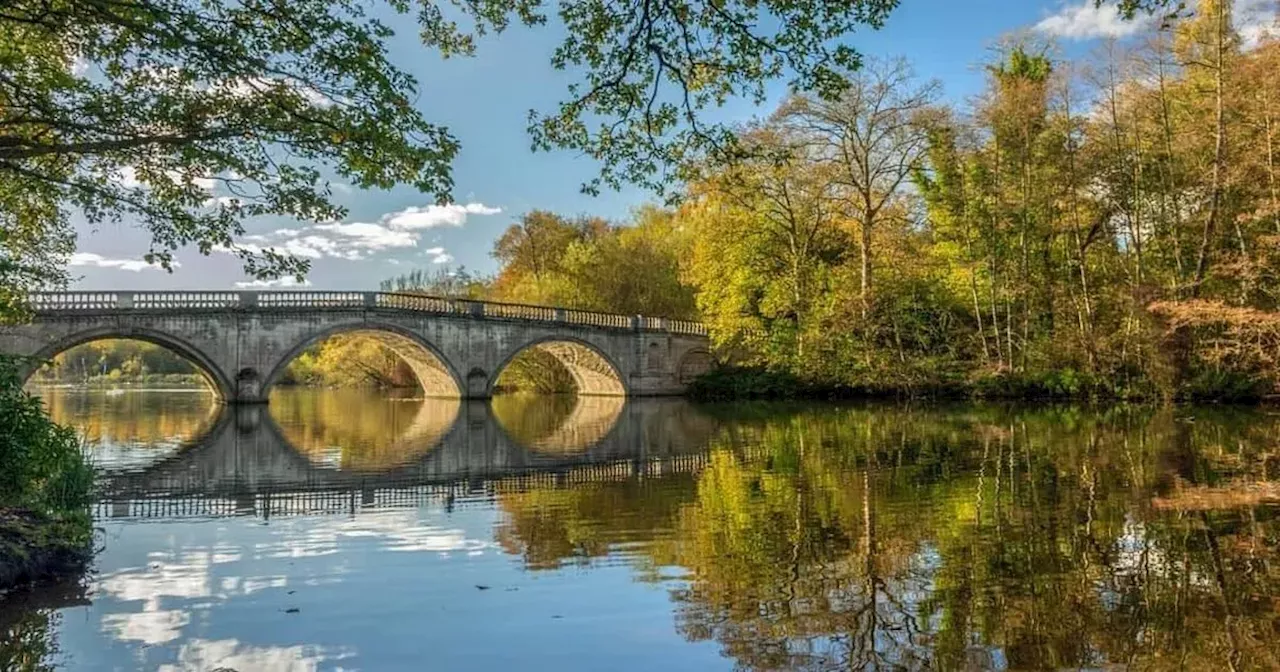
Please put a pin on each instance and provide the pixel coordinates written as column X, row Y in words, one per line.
column 36, row 548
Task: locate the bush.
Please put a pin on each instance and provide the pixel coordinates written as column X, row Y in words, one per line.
column 747, row 382
column 1223, row 385
column 42, row 465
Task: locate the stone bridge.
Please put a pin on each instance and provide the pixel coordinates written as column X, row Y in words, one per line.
column 242, row 342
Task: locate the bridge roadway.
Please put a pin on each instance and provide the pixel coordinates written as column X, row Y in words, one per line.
column 242, row 342
column 243, row 462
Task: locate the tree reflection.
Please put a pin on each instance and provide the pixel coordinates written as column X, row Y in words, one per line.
column 29, row 625
column 982, row 537
column 550, row 528
column 131, row 419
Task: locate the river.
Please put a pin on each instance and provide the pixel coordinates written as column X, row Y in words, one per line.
column 350, row 530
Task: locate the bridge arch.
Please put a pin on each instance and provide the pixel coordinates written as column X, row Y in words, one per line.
column 218, row 380
column 594, row 371
column 435, row 374
column 693, row 364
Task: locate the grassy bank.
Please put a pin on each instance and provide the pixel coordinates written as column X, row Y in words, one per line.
column 45, row 483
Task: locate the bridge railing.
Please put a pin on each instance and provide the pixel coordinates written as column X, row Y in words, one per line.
column 55, row 302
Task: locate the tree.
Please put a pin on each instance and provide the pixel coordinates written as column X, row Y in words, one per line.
column 873, row 135
column 188, row 118
column 534, row 248
column 452, row 283
column 772, row 222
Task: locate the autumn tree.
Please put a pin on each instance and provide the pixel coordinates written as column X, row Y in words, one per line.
column 873, row 136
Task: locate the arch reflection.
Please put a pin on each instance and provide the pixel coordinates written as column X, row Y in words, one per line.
column 312, row 441
column 557, row 424
column 358, row 430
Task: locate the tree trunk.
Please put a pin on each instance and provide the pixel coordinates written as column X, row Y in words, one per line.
column 1219, row 159
column 866, row 268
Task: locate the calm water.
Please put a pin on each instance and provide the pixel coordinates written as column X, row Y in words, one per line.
column 351, row 531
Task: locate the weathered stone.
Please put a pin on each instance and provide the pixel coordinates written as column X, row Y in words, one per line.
column 243, row 341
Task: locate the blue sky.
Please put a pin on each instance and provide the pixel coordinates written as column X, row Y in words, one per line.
column 484, row 101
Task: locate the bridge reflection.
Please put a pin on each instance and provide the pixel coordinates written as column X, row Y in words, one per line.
column 308, row 457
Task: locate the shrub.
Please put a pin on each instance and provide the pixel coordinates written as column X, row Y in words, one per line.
column 43, row 467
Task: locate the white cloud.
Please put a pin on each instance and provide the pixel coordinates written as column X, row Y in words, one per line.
column 99, row 261
column 229, row 201
column 438, row 255
column 205, row 183
column 431, row 216
column 277, row 283
column 1087, row 20
column 127, row 177
column 1256, row 19
column 368, row 236
column 240, row 247
column 354, row 241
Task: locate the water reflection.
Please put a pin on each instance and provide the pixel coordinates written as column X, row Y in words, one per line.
column 565, row 423
column 886, row 538
column 130, row 428
column 360, row 431
column 758, row 537
column 316, row 451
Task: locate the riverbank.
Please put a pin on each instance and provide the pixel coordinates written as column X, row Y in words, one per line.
column 101, row 382
column 45, row 484
column 36, row 548
column 732, row 383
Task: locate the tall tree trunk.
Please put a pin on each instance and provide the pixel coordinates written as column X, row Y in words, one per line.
column 1171, row 192
column 866, row 267
column 973, row 271
column 1274, row 190
column 1219, row 155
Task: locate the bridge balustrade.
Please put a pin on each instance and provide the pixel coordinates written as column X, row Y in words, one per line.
column 54, row 302
column 163, row 300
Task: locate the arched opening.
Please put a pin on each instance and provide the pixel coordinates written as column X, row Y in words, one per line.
column 365, row 357
column 694, row 364
column 363, row 398
column 557, row 424
column 140, row 357
column 557, row 366
column 132, row 400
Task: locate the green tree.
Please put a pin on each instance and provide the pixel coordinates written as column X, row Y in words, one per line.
column 189, row 118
